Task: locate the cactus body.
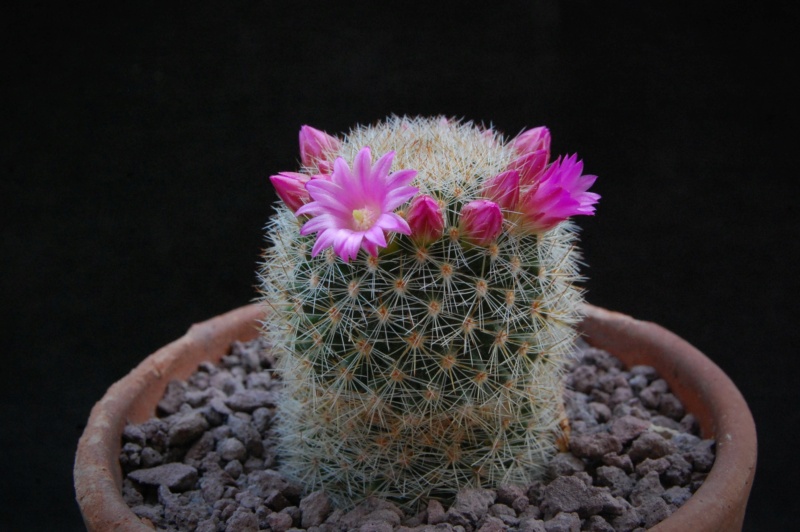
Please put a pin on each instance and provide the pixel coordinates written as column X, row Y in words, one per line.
column 431, row 366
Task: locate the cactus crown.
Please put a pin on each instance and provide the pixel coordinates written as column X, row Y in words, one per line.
column 423, row 316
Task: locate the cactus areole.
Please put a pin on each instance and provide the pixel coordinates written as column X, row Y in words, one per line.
column 420, row 293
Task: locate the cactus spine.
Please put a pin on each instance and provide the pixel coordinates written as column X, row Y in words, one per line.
column 431, row 366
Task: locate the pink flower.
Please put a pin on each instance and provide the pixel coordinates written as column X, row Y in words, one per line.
column 533, row 140
column 530, row 166
column 481, row 221
column 560, row 192
column 315, row 145
column 425, row 219
column 354, row 209
column 503, row 189
column 291, row 188
column 533, row 147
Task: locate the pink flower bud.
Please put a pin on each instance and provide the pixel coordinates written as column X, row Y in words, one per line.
column 481, row 221
column 503, row 189
column 291, row 188
column 560, row 193
column 532, row 140
column 530, row 166
column 315, row 146
column 424, row 216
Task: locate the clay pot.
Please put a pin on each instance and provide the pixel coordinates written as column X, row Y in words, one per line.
column 718, row 505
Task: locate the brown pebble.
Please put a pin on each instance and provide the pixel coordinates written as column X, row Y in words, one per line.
column 175, row 476
column 186, row 428
column 650, row 445
column 594, row 445
column 314, row 508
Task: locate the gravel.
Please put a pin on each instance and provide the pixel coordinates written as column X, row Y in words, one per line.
column 208, row 461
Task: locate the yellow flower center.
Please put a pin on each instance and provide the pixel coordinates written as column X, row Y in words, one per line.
column 363, row 218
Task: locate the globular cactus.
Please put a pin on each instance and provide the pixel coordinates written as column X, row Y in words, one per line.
column 422, row 317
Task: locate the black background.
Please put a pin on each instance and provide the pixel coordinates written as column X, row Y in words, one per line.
column 137, row 140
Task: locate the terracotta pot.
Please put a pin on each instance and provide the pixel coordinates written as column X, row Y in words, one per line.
column 719, row 505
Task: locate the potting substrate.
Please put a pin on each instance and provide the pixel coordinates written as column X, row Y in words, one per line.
column 208, row 461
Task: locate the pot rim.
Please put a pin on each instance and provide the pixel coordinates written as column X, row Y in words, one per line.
column 704, row 389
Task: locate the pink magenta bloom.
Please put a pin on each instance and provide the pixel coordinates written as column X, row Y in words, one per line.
column 530, row 166
column 533, row 140
column 481, row 221
column 355, row 208
column 503, row 189
column 425, row 219
column 291, row 188
column 315, row 145
column 561, row 192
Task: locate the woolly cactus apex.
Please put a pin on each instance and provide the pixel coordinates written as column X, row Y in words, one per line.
column 422, row 308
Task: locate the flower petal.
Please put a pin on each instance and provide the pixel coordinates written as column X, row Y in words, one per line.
column 371, row 247
column 324, row 240
column 318, row 223
column 375, row 234
column 400, row 178
column 530, row 166
column 397, row 197
column 382, row 166
column 391, row 221
column 350, row 246
column 503, row 189
column 362, row 171
column 341, row 172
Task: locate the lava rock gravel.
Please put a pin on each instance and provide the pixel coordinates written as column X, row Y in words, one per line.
column 208, row 463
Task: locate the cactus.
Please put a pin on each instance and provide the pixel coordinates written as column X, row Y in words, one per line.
column 422, row 346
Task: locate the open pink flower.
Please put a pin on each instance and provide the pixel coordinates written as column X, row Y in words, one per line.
column 355, row 208
column 560, row 192
column 481, row 221
column 315, row 145
column 425, row 219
